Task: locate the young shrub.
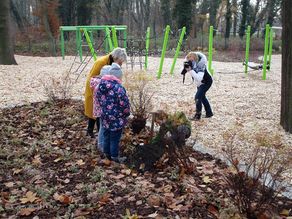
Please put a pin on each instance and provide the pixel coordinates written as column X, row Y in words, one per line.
column 140, row 98
column 58, row 88
column 256, row 176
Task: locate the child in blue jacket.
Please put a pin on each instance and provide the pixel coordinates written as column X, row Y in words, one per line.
column 115, row 109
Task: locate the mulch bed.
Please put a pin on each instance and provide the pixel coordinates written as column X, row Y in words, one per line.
column 49, row 168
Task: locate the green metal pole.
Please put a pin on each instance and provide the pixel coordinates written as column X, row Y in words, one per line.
column 147, row 47
column 163, row 51
column 247, row 48
column 270, row 47
column 210, row 50
column 125, row 38
column 183, row 32
column 62, row 44
column 108, row 36
column 106, row 43
column 88, row 40
column 267, row 34
column 115, row 39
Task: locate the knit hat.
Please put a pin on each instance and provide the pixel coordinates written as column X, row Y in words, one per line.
column 105, row 70
column 116, row 71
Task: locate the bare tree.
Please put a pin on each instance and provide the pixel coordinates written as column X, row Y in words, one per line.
column 286, row 92
column 6, row 42
column 234, row 12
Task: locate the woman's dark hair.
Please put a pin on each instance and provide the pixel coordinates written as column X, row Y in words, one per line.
column 111, row 59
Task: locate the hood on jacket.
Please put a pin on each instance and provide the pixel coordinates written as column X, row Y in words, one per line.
column 108, row 84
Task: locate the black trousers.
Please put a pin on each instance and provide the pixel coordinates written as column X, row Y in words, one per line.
column 91, row 123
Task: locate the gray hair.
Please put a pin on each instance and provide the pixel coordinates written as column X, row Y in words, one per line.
column 119, row 54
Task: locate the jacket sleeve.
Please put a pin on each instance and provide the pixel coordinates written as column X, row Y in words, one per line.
column 124, row 102
column 198, row 77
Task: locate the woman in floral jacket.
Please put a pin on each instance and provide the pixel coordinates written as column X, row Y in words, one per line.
column 115, row 109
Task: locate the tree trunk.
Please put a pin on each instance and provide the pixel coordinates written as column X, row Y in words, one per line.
column 228, row 22
column 6, row 42
column 234, row 10
column 286, row 93
column 245, row 14
column 45, row 17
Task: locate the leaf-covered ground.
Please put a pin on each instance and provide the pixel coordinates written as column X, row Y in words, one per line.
column 50, row 169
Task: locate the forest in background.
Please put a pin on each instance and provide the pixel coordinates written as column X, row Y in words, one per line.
column 37, row 22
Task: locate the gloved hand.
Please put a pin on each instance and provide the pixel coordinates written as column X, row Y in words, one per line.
column 189, row 68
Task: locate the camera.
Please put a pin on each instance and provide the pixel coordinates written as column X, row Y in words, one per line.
column 187, row 64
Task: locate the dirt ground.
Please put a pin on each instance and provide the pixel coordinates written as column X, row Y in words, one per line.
column 236, row 98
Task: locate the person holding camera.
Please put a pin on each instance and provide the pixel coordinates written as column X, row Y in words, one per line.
column 196, row 65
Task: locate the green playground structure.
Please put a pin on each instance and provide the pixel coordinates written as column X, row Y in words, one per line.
column 110, row 42
column 165, row 41
column 267, row 51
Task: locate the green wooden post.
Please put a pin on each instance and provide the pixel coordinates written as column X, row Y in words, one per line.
column 62, row 44
column 163, row 51
column 267, row 34
column 183, row 32
column 88, row 40
column 125, row 38
column 108, row 36
column 210, row 50
column 115, row 39
column 270, row 47
column 247, row 48
column 147, row 47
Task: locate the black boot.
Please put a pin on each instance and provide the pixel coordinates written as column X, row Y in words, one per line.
column 90, row 127
column 209, row 115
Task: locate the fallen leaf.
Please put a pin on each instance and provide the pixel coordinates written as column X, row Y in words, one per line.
column 139, row 202
column 118, row 199
column 58, row 159
column 153, row 200
column 37, row 160
column 285, row 213
column 80, row 162
column 26, row 211
column 16, row 171
column 206, row 179
column 66, row 181
column 104, row 198
column 64, row 199
column 82, row 212
column 131, row 199
column 29, row 197
column 127, row 171
column 9, row 184
column 153, row 215
column 213, row 210
column 119, row 176
column 106, row 162
column 167, row 188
